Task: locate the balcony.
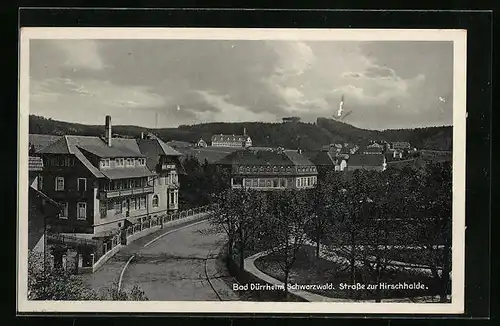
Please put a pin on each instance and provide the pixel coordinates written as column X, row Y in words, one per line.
column 106, row 194
column 165, row 167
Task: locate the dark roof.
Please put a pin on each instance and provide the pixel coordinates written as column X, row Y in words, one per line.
column 152, row 149
column 373, row 150
column 71, row 144
column 229, row 138
column 40, row 141
column 366, row 160
column 328, row 158
column 254, row 156
column 35, row 163
column 211, row 154
column 109, row 152
column 403, row 144
column 179, row 144
column 122, row 173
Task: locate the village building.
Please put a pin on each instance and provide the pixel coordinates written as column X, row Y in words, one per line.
column 373, row 150
column 201, row 143
column 326, row 161
column 243, row 141
column 104, row 183
column 291, row 119
column 41, row 208
column 373, row 162
column 269, row 169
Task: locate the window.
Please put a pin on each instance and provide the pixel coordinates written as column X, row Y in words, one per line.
column 275, row 183
column 248, row 169
column 254, row 169
column 160, row 181
column 59, row 183
column 155, row 201
column 40, row 182
column 268, row 183
column 176, row 197
column 64, row 213
column 275, row 169
column 132, row 204
column 241, row 169
column 288, row 169
column 124, row 206
column 130, row 162
column 105, row 163
column 142, row 203
column 81, row 184
column 298, row 182
column 111, row 205
column 118, row 207
column 283, row 182
column 261, row 169
column 119, row 162
column 262, row 183
column 248, row 182
column 255, row 182
column 172, row 197
column 141, row 161
column 103, row 209
column 81, row 212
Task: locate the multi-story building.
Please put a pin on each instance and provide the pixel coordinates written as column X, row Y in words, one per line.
column 269, row 169
column 221, row 140
column 105, row 183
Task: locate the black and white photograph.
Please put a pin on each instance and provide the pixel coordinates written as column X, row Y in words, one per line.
column 221, row 170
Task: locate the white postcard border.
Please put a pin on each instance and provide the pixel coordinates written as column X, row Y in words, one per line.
column 458, row 37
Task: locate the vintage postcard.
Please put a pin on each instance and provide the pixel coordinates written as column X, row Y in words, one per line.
column 241, row 170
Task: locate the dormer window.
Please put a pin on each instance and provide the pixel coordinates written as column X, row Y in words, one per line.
column 130, row 162
column 105, row 163
column 119, row 162
column 141, row 161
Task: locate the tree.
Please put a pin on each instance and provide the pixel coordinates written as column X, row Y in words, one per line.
column 433, row 205
column 285, row 228
column 240, row 214
column 323, row 199
column 46, row 283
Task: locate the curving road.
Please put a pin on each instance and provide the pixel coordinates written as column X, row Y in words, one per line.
column 173, row 266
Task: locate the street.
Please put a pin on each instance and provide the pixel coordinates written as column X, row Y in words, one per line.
column 169, row 267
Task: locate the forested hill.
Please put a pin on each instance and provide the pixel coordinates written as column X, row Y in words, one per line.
column 308, row 136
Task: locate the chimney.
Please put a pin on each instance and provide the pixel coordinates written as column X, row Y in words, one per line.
column 244, row 131
column 142, row 134
column 107, row 136
column 299, row 151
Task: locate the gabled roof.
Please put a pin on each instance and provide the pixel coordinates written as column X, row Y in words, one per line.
column 152, row 148
column 254, row 156
column 104, row 151
column 373, row 150
column 366, row 160
column 40, row 141
column 328, row 158
column 71, row 144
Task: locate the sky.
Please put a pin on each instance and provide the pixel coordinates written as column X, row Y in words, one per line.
column 165, row 83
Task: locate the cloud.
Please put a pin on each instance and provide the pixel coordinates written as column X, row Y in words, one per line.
column 224, row 111
column 231, row 80
column 81, row 54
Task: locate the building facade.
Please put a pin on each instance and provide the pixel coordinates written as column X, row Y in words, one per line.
column 221, row 140
column 270, row 169
column 105, row 183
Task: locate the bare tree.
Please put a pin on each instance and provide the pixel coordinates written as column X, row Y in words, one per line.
column 285, row 229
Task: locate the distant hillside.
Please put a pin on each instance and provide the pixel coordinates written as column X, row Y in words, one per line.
column 308, row 136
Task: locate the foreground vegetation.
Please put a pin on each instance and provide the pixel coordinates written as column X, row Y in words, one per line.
column 364, row 214
column 45, row 283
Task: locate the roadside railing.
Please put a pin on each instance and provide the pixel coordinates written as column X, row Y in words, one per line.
column 93, row 253
column 165, row 218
